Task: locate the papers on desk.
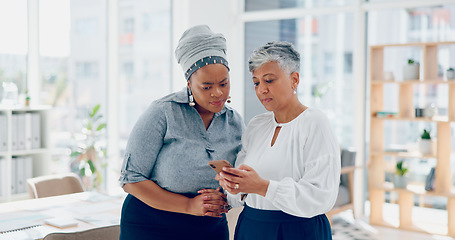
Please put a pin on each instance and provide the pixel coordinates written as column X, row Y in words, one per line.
column 23, row 225
column 20, row 220
column 36, row 232
column 104, row 219
column 61, row 222
column 92, row 208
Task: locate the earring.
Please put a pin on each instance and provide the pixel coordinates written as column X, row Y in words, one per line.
column 191, row 98
column 295, row 91
column 229, row 101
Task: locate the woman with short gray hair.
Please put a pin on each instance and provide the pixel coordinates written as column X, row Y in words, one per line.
column 288, row 170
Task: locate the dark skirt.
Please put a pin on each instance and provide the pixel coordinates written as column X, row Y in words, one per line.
column 277, row 225
column 140, row 221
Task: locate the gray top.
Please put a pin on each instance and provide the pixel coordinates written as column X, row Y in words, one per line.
column 170, row 145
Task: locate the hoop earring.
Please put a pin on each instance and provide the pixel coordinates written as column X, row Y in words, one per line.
column 192, row 104
column 229, row 101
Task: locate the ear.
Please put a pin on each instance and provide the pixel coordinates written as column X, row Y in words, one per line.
column 188, row 84
column 295, row 79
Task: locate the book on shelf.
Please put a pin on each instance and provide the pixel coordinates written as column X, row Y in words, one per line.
column 3, row 175
column 20, row 131
column 3, row 133
column 36, row 131
column 429, row 182
column 385, row 114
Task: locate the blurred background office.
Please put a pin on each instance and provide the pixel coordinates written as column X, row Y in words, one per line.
column 72, row 55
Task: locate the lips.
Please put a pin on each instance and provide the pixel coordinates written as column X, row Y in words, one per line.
column 218, row 103
column 266, row 100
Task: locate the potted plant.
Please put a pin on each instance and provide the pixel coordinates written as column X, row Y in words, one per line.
column 399, row 179
column 425, row 143
column 411, row 70
column 450, row 74
column 88, row 158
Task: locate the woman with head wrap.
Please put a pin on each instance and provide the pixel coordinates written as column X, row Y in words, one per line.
column 289, row 164
column 166, row 161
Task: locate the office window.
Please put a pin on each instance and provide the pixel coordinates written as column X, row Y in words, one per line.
column 86, row 70
column 13, row 44
column 145, row 59
column 73, row 68
column 259, row 5
column 326, row 80
column 86, row 27
column 128, row 70
column 424, row 24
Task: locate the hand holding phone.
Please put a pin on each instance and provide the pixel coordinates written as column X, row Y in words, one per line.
column 218, row 165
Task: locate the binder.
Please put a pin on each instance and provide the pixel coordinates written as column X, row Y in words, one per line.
column 20, row 175
column 3, row 186
column 36, row 131
column 14, row 131
column 13, row 176
column 28, row 169
column 20, row 131
column 28, row 131
column 3, row 133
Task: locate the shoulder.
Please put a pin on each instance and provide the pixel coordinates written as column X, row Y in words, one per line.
column 233, row 114
column 313, row 116
column 260, row 119
column 158, row 109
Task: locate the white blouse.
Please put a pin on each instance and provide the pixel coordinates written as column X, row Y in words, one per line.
column 303, row 165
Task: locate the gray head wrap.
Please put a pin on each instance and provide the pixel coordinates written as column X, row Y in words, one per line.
column 198, row 47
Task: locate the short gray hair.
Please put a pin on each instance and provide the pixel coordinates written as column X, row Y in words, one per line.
column 283, row 53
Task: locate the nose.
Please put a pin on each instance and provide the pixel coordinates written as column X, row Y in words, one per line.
column 262, row 88
column 217, row 92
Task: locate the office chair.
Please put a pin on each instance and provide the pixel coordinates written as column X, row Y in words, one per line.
column 102, row 233
column 53, row 185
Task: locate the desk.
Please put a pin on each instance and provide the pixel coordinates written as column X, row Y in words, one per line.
column 88, row 209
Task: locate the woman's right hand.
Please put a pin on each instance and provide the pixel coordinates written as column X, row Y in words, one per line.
column 209, row 202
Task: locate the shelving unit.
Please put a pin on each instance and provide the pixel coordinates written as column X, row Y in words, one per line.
column 377, row 184
column 40, row 154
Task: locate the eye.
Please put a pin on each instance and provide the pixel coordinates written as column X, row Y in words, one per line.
column 206, row 88
column 256, row 84
column 269, row 81
column 224, row 84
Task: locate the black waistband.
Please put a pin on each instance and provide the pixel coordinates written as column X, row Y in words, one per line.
column 272, row 215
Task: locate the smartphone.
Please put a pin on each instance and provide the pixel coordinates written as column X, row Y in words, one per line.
column 218, row 165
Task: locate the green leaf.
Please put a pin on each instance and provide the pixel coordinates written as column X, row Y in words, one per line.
column 95, row 110
column 75, row 154
column 101, row 126
column 82, row 171
column 426, row 134
column 92, row 166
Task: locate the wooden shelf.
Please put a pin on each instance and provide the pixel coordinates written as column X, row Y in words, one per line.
column 406, row 112
column 404, row 154
column 429, row 81
column 415, row 119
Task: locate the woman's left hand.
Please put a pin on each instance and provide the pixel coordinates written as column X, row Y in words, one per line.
column 242, row 180
column 214, row 202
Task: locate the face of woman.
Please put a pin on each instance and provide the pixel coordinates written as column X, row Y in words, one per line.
column 210, row 86
column 274, row 87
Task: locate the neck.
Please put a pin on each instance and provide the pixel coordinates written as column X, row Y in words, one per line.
column 290, row 112
column 206, row 116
